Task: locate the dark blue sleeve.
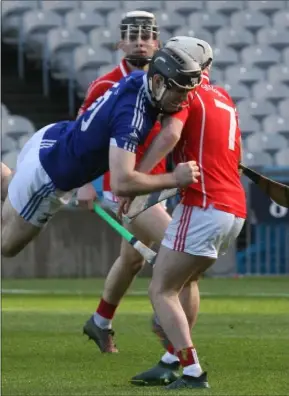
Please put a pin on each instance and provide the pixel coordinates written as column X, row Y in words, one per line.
column 130, row 123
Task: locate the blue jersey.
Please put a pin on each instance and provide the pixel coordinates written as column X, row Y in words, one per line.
column 76, row 152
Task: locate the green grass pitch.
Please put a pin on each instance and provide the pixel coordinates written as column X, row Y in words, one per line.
column 242, row 338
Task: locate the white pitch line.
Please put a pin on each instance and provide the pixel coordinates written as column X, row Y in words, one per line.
column 133, row 293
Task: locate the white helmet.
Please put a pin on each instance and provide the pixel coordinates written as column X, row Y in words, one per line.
column 200, row 50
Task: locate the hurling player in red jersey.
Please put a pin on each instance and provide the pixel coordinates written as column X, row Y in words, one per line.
column 139, row 40
column 210, row 217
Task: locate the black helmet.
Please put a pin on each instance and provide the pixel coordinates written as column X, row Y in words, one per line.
column 139, row 24
column 177, row 67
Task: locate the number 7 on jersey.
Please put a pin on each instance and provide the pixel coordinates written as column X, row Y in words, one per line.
column 233, row 122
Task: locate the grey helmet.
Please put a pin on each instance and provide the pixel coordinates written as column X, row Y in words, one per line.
column 199, row 49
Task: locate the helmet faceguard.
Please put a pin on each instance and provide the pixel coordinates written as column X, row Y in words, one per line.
column 140, row 27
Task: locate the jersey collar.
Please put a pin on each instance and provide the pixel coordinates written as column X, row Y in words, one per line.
column 145, row 82
column 205, row 77
column 124, row 68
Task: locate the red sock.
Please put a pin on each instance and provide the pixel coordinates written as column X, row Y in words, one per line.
column 171, row 349
column 188, row 356
column 105, row 309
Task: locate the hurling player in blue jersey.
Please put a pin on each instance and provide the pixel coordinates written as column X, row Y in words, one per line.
column 64, row 156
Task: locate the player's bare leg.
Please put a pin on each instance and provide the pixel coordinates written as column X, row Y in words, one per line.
column 16, row 233
column 6, row 174
column 167, row 282
column 147, row 227
column 166, row 370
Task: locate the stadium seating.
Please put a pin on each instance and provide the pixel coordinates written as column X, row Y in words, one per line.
column 12, row 17
column 101, row 7
column 16, row 130
column 36, row 25
column 150, row 6
column 184, row 8
column 60, row 45
column 251, row 54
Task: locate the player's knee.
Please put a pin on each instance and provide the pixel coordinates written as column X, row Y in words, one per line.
column 155, row 290
column 134, row 263
column 9, row 249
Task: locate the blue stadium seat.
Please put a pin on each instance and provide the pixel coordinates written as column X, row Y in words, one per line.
column 267, row 7
column 257, row 158
column 237, row 91
column 101, row 7
column 251, row 20
column 107, row 38
column 60, row 45
column 164, row 36
column 7, row 144
column 261, row 56
column 10, row 159
column 248, row 125
column 16, row 126
column 282, row 157
column 60, row 7
column 257, row 109
column 205, row 20
column 273, row 92
column 277, row 38
column 184, row 8
column 4, row 111
column 224, row 7
column 224, row 57
column 276, row 124
column 279, row 73
column 36, row 25
column 149, row 5
column 200, row 33
column 113, row 20
column 281, row 19
column 245, row 75
column 11, row 18
column 285, row 55
column 86, row 62
column 169, row 22
column 83, row 20
column 235, row 38
column 102, row 70
column 270, row 143
column 216, row 76
column 283, row 107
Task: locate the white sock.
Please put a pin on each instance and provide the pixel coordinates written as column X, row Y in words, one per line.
column 194, row 370
column 169, row 358
column 101, row 322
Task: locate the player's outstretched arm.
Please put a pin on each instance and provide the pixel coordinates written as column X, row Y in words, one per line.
column 163, row 144
column 126, row 181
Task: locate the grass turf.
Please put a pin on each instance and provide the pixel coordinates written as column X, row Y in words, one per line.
column 241, row 336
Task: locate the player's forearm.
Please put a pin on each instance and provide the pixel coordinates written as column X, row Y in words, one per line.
column 138, row 183
column 160, row 148
column 163, row 144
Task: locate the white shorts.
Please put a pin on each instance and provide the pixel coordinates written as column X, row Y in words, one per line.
column 202, row 232
column 31, row 191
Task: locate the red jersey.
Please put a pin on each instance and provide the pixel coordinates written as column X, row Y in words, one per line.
column 96, row 89
column 211, row 137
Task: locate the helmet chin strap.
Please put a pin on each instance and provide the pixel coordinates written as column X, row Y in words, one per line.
column 137, row 61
